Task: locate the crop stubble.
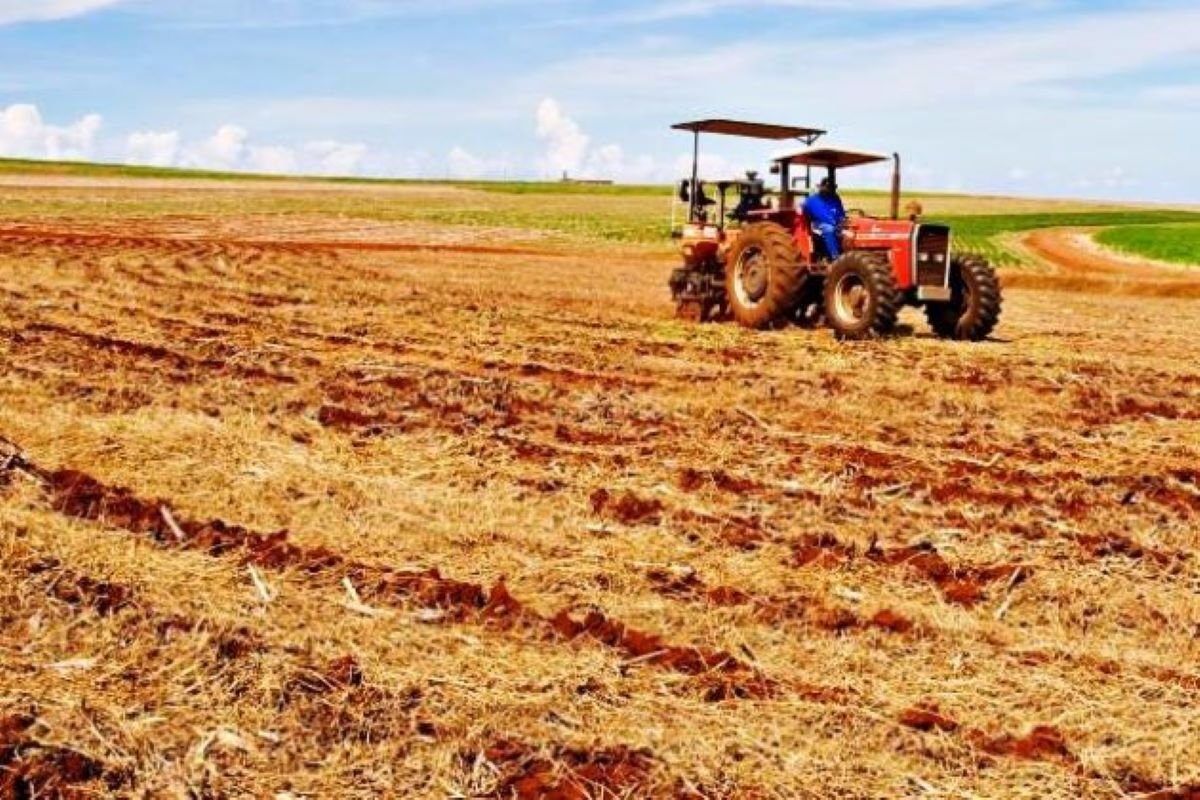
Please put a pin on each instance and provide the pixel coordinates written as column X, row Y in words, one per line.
column 765, row 565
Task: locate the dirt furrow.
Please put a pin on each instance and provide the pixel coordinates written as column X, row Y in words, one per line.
column 78, row 495
column 809, row 610
column 1042, row 743
column 963, row 584
column 24, row 237
column 180, row 366
column 30, row 767
column 332, row 700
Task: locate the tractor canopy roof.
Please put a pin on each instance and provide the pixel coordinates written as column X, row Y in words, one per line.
column 752, row 130
column 835, row 157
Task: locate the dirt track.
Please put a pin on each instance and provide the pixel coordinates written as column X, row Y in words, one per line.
column 1081, row 264
column 540, row 536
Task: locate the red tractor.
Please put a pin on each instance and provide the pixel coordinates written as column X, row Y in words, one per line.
column 762, row 262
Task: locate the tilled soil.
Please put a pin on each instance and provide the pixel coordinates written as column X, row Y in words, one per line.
column 362, row 514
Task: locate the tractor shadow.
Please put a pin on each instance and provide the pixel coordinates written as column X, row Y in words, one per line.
column 902, row 330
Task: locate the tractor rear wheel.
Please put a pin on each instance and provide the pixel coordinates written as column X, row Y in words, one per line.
column 763, row 276
column 861, row 298
column 974, row 307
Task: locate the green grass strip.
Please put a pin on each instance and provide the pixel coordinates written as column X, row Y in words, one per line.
column 1178, row 243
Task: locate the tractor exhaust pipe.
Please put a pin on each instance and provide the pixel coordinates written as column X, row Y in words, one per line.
column 896, row 186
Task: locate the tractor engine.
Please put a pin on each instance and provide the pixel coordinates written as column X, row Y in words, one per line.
column 919, row 253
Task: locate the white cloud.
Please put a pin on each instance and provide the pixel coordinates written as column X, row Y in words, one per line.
column 293, row 14
column 930, row 69
column 336, row 158
column 566, row 144
column 970, row 98
column 24, row 134
column 231, row 147
column 610, row 162
column 274, row 159
column 12, row 11
column 1023, row 59
column 569, row 150
column 223, row 150
column 152, row 148
column 668, row 10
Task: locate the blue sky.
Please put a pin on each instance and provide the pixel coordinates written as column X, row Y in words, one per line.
column 1039, row 97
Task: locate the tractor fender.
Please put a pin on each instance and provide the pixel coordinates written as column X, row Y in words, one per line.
column 802, row 235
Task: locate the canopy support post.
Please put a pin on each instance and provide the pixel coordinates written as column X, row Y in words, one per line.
column 693, row 215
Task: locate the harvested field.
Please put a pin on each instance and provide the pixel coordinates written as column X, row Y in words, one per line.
column 350, row 504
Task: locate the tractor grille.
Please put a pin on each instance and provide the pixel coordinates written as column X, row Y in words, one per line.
column 931, row 274
column 933, row 255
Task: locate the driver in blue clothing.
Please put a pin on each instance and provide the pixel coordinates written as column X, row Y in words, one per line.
column 827, row 214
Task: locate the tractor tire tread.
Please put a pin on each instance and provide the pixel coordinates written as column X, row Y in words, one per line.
column 787, row 276
column 881, row 285
column 976, row 323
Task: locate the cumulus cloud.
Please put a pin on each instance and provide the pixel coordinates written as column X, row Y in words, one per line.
column 24, row 134
column 566, row 144
column 336, row 158
column 152, row 148
column 569, row 150
column 225, row 149
column 231, row 147
column 274, row 159
column 612, row 163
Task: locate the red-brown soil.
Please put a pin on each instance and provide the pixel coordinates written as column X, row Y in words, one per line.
column 311, row 505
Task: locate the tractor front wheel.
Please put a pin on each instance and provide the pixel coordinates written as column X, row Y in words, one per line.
column 861, row 298
column 974, row 307
column 763, row 276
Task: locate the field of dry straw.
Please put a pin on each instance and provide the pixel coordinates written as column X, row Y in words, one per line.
column 301, row 502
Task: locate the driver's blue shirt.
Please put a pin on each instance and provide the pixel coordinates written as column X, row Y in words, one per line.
column 822, row 210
